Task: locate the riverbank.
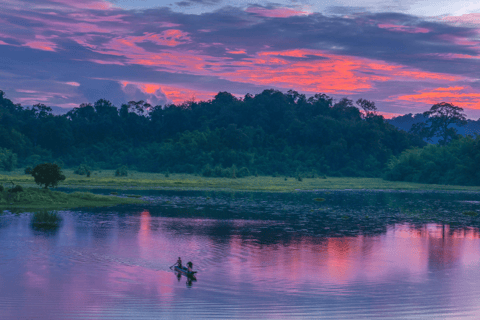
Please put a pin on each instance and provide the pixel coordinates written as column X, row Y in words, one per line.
column 143, row 180
column 38, row 199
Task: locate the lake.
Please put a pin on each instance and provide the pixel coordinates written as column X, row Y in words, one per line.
column 355, row 255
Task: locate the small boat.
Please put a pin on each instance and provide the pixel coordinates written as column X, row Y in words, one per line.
column 185, row 272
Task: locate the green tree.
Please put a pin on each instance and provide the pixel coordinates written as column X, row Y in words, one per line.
column 439, row 118
column 8, row 160
column 47, row 174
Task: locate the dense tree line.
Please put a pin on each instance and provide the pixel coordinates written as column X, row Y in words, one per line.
column 457, row 163
column 455, row 159
column 267, row 133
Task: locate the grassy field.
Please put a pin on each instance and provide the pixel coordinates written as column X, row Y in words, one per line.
column 36, row 199
column 142, row 180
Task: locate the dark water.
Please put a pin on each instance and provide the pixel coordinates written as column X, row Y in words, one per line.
column 356, row 255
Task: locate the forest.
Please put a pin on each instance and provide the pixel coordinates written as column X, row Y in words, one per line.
column 270, row 133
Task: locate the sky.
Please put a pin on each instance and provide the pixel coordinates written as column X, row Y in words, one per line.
column 403, row 55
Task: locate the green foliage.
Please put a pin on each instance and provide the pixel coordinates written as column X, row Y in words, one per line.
column 243, row 172
column 269, row 132
column 47, row 174
column 35, row 198
column 457, row 163
column 8, row 160
column 82, row 169
column 1, row 188
column 439, row 118
column 16, row 189
column 121, row 172
column 46, row 220
column 207, row 171
column 28, row 170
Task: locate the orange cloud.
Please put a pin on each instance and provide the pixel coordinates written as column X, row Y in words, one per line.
column 460, row 96
column 179, row 95
column 150, row 88
column 236, row 51
column 175, row 94
column 388, row 115
column 330, row 73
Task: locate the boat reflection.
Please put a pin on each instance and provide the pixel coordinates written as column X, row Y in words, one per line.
column 190, row 279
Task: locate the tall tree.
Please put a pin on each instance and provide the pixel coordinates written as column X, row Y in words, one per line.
column 440, row 117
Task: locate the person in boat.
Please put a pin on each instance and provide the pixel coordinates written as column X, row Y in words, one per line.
column 190, row 266
column 179, row 262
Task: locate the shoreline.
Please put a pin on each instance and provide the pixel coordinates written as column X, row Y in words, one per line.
column 105, row 179
column 34, row 199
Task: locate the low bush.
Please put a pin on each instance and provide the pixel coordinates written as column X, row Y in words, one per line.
column 243, row 172
column 15, row 189
column 82, row 169
column 121, row 172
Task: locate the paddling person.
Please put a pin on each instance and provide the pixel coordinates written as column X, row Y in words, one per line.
column 179, row 262
column 190, row 266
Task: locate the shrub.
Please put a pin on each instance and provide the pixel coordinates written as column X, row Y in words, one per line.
column 299, row 178
column 8, row 160
column 167, row 174
column 121, row 172
column 28, row 170
column 1, row 188
column 82, row 169
column 243, row 172
column 207, row 171
column 218, row 171
column 15, row 189
column 233, row 172
column 47, row 174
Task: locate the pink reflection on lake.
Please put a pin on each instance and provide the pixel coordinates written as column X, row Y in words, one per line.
column 114, row 266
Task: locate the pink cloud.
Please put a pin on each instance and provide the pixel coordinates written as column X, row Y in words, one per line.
column 459, row 40
column 236, row 51
column 335, row 74
column 171, row 37
column 277, row 12
column 464, row 97
column 86, row 4
column 41, row 45
column 400, row 28
column 175, row 94
column 472, row 19
column 73, row 83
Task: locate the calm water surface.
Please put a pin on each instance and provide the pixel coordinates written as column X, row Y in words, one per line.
column 357, row 255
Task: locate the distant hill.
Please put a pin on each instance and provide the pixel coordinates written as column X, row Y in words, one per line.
column 405, row 122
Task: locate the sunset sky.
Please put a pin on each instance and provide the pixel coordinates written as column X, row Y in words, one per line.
column 404, row 55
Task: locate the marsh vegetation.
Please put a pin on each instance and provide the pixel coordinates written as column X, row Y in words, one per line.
column 32, row 198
